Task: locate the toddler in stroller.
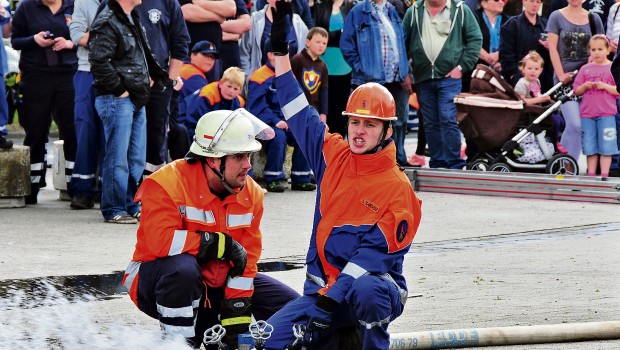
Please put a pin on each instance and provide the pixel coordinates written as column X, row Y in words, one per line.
column 510, row 134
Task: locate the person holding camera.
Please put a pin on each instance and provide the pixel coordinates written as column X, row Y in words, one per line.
column 47, row 63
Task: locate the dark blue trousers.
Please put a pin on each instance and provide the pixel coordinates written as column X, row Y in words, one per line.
column 157, row 112
column 89, row 136
column 276, row 153
column 371, row 304
column 171, row 290
column 47, row 96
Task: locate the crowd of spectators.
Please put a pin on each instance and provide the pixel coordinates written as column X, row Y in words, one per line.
column 216, row 56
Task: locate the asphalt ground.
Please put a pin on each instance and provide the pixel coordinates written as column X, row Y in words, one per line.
column 475, row 262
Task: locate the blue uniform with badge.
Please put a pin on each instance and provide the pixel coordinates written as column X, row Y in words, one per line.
column 366, row 217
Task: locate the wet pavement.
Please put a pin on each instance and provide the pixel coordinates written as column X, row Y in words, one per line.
column 475, row 262
column 89, row 287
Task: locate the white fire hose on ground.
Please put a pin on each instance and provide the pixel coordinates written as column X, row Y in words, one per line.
column 497, row 336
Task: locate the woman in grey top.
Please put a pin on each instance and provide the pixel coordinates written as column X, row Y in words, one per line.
column 569, row 31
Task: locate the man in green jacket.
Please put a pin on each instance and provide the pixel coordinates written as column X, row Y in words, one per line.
column 442, row 39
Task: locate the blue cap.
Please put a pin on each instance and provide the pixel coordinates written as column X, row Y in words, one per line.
column 205, row 47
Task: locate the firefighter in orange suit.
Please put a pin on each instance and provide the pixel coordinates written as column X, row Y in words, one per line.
column 366, row 214
column 198, row 243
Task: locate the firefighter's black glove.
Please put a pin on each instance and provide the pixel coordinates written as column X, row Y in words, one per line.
column 281, row 26
column 235, row 316
column 211, row 247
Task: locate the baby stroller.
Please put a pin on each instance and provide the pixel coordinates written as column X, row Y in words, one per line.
column 510, row 135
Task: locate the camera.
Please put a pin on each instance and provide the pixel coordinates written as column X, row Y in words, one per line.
column 543, row 36
column 48, row 35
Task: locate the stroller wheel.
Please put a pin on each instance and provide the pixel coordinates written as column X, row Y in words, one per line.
column 501, row 167
column 480, row 164
column 562, row 164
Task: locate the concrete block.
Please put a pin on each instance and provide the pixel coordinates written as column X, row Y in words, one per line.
column 58, row 171
column 12, row 202
column 58, row 166
column 259, row 159
column 14, row 176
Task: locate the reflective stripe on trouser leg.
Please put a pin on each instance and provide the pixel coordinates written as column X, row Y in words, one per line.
column 69, row 172
column 375, row 302
column 170, row 289
column 37, row 173
column 179, row 320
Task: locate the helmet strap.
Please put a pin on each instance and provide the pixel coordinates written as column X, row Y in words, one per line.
column 382, row 141
column 220, row 174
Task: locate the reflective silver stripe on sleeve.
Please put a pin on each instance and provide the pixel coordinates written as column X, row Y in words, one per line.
column 300, row 102
column 239, row 220
column 131, row 271
column 402, row 292
column 185, row 332
column 178, row 242
column 376, row 323
column 354, row 270
column 243, row 283
column 196, row 214
column 315, row 279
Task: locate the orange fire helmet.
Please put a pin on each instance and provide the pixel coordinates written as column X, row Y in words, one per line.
column 371, row 100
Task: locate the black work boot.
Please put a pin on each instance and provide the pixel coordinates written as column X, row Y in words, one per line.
column 81, row 201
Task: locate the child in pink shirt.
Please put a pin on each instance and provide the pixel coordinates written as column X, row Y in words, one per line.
column 598, row 107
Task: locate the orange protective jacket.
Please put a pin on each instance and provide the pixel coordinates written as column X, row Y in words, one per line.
column 177, row 202
column 366, row 213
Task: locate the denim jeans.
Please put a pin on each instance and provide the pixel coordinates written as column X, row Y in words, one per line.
column 399, row 125
column 439, row 112
column 571, row 137
column 4, row 110
column 615, row 161
column 125, row 154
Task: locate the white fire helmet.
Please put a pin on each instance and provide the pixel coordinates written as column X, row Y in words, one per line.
column 223, row 132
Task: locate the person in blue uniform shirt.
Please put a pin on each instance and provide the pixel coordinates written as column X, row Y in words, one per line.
column 193, row 74
column 222, row 94
column 366, row 214
column 262, row 102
